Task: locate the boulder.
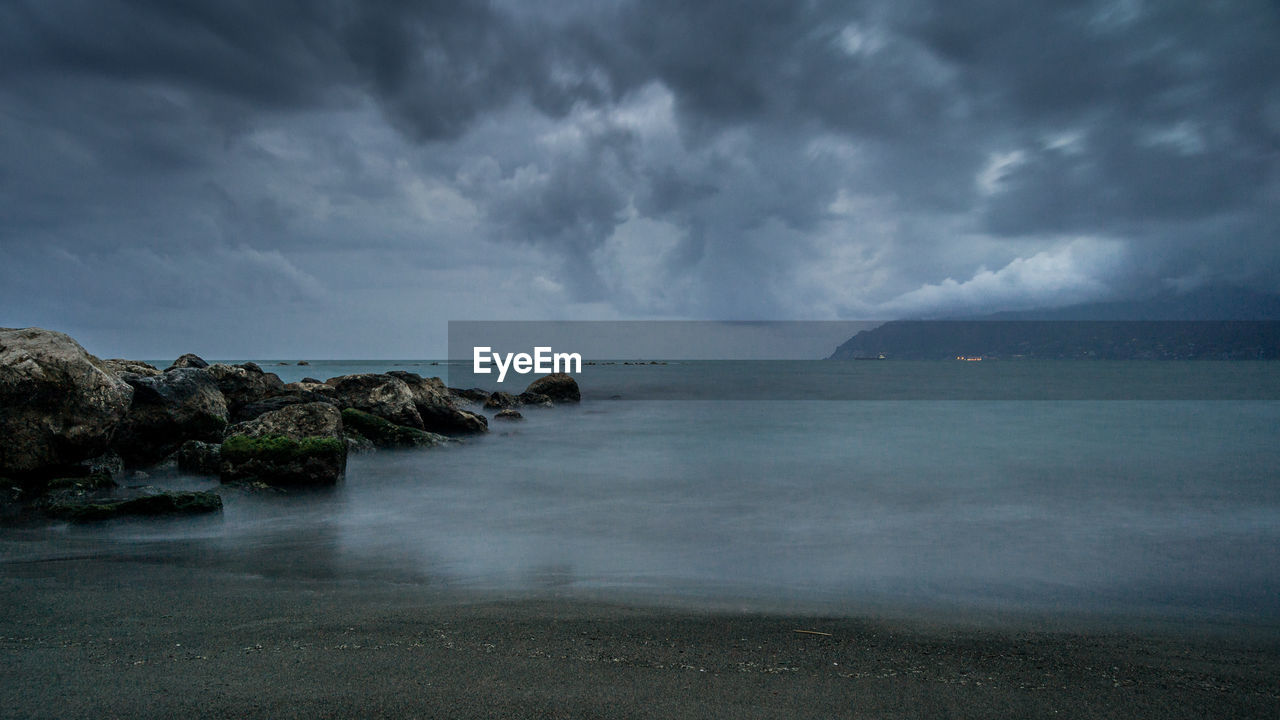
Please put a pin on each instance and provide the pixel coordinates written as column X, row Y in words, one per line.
column 436, row 407
column 189, row 360
column 244, row 384
column 450, row 420
column 109, row 465
column 475, row 395
column 381, row 433
column 560, row 387
column 382, row 395
column 508, row 414
column 169, row 409
column 311, row 385
column 298, row 421
column 58, row 404
column 295, row 445
column 357, row 443
column 534, row 400
column 120, row 367
column 501, row 400
column 276, row 402
column 426, row 391
column 200, row 458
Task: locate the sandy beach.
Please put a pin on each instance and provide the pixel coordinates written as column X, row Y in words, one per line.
column 134, row 638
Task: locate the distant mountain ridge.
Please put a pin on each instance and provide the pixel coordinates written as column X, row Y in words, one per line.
column 1206, row 304
column 1219, row 324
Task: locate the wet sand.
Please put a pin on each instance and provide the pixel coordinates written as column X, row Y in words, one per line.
column 129, row 638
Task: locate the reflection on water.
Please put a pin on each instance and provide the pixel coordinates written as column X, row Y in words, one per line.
column 1163, row 508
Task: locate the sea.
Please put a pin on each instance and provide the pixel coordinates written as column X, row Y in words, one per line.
column 1024, row 491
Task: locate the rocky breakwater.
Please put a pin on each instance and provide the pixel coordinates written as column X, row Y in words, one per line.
column 72, row 426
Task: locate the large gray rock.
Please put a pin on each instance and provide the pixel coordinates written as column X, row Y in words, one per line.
column 436, row 407
column 560, row 387
column 362, row 427
column 276, row 402
column 244, row 384
column 383, row 395
column 296, row 445
column 450, row 420
column 318, row 419
column 169, row 409
column 311, row 385
column 121, row 367
column 58, row 404
column 425, row 391
column 469, row 395
column 500, row 401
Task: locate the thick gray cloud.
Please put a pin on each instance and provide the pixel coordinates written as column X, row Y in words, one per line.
column 339, row 178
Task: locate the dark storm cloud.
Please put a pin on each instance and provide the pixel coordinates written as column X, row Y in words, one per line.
column 764, row 158
column 1172, row 106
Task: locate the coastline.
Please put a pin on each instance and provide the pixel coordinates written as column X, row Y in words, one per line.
column 93, row 638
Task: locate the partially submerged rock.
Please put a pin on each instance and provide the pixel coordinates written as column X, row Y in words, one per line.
column 58, row 404
column 532, row 399
column 379, row 394
column 508, row 414
column 280, row 460
column 474, row 395
column 200, row 458
column 169, row 409
column 436, row 407
column 560, row 387
column 500, row 400
column 295, row 445
column 384, row 434
column 449, row 420
column 170, row 503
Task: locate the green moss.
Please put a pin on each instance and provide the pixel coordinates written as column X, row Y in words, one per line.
column 178, row 503
column 278, row 448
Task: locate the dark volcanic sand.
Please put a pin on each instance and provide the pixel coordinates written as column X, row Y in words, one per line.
column 100, row 638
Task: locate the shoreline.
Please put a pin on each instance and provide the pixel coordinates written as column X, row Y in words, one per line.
column 91, row 638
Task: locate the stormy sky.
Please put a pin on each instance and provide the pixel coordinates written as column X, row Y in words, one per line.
column 340, row 178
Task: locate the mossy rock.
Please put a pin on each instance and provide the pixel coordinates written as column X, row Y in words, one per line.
column 177, row 503
column 278, row 448
column 280, row 460
column 96, row 480
column 386, row 434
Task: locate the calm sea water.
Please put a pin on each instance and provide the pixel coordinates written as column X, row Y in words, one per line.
column 1132, row 508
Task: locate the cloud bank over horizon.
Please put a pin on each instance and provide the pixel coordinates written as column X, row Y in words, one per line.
column 341, row 178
